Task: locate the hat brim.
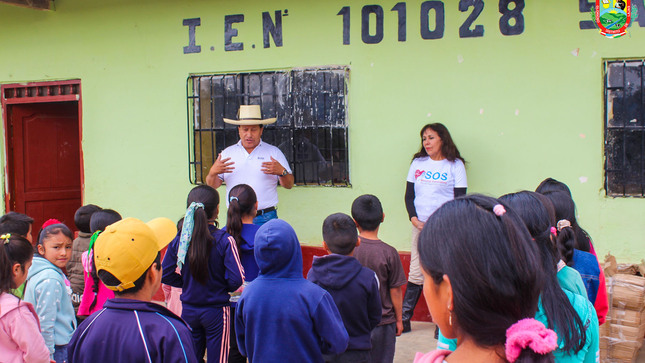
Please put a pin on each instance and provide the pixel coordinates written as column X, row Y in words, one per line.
column 247, row 122
column 164, row 229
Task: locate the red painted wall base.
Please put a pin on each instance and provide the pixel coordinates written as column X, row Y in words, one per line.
column 421, row 312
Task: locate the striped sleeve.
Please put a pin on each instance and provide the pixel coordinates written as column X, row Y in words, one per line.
column 234, row 270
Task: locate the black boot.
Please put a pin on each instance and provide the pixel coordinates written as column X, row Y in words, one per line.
column 406, row 326
column 410, row 299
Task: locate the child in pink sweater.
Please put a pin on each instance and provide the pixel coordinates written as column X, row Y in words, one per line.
column 20, row 338
column 95, row 293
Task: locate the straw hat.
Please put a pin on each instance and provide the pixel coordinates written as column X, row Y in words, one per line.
column 250, row 115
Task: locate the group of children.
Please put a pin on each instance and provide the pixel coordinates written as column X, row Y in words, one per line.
column 106, row 278
column 364, row 275
column 36, row 275
column 533, row 293
column 243, row 294
column 348, row 311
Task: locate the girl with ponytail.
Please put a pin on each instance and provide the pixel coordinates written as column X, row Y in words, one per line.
column 242, row 208
column 567, row 312
column 95, row 294
column 482, row 283
column 569, row 245
column 203, row 260
column 550, row 185
column 20, row 339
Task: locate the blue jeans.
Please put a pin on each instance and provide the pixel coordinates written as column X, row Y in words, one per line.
column 587, row 265
column 60, row 353
column 383, row 342
column 260, row 220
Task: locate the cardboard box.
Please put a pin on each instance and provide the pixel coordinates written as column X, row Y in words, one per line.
column 625, row 317
column 618, row 351
column 624, row 333
column 627, row 292
column 621, row 336
column 620, row 343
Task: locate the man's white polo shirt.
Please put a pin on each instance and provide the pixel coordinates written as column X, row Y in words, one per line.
column 248, row 170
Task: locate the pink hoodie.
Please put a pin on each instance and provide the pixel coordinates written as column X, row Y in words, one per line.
column 20, row 338
column 436, row 356
column 88, row 293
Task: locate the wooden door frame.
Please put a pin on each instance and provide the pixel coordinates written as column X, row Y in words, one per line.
column 40, row 92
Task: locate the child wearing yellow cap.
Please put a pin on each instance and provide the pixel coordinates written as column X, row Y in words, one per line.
column 131, row 328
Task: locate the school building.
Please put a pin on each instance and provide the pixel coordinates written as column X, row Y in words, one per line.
column 120, row 103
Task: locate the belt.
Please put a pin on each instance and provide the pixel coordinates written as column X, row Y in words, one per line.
column 265, row 211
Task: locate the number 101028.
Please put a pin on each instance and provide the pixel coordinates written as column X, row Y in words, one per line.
column 511, row 21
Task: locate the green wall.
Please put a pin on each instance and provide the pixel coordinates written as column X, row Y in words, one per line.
column 520, row 108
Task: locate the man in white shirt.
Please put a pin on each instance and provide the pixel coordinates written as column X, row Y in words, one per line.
column 254, row 162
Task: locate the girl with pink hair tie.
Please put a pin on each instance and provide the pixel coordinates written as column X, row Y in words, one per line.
column 563, row 306
column 482, row 284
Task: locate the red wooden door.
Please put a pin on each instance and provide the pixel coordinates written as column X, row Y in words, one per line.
column 45, row 169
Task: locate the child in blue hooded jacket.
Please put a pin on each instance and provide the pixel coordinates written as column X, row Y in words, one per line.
column 353, row 287
column 49, row 290
column 281, row 317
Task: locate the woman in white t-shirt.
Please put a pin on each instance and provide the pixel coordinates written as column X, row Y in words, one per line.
column 437, row 175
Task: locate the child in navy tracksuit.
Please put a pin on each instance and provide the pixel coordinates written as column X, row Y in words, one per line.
column 130, row 327
column 242, row 209
column 203, row 261
column 281, row 317
column 353, row 287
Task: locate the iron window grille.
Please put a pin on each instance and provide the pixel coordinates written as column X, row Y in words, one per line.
column 624, row 128
column 311, row 128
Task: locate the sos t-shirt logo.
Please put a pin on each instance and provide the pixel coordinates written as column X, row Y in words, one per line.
column 429, row 176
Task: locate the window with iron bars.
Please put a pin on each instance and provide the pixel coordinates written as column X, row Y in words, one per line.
column 311, row 127
column 625, row 128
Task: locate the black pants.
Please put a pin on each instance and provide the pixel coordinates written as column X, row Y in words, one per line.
column 350, row 356
column 383, row 343
column 234, row 355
